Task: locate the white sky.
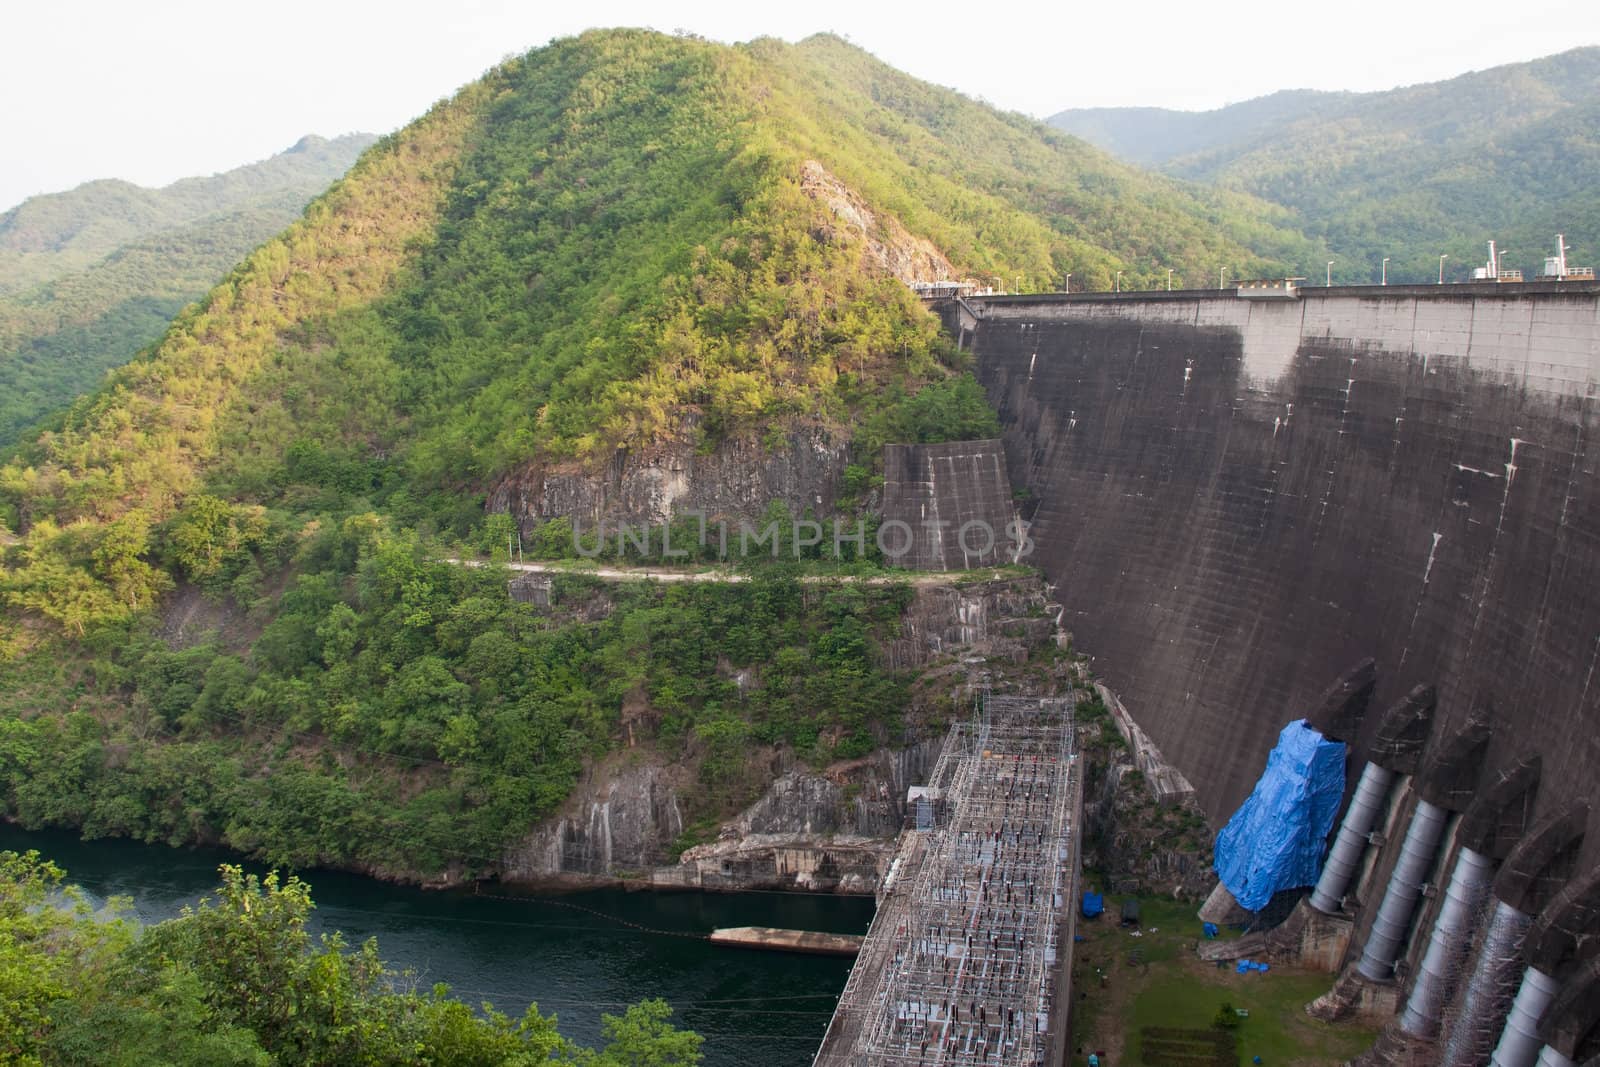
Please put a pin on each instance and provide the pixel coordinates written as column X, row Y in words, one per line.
column 152, row 92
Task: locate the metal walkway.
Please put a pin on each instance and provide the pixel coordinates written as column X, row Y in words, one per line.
column 967, row 958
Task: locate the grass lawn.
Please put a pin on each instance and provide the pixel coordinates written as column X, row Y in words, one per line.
column 1123, row 984
column 1278, row 1029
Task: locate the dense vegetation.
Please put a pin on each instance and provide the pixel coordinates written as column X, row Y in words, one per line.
column 1508, row 153
column 90, row 277
column 239, row 980
column 227, row 615
column 403, row 715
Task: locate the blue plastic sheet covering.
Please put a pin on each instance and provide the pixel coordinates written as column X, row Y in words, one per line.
column 1093, row 904
column 1276, row 838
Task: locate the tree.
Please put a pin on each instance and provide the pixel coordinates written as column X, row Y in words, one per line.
column 643, row 1038
column 117, row 561
column 51, row 949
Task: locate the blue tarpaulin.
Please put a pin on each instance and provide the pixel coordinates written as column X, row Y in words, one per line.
column 1276, row 838
column 1093, row 904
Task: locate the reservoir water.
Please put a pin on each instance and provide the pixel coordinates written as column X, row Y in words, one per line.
column 752, row 1007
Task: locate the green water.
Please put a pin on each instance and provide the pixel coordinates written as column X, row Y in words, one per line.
column 752, row 1007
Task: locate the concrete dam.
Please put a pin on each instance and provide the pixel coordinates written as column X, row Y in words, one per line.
column 1396, row 487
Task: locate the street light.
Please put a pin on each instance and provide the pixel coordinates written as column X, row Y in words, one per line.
column 1119, row 281
column 1169, row 279
column 1329, row 282
column 1019, row 283
column 1385, row 280
column 1441, row 267
column 1220, row 272
column 1069, row 283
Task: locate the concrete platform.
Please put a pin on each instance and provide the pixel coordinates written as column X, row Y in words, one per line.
column 776, row 940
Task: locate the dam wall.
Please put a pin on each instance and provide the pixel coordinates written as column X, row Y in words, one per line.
column 1237, row 499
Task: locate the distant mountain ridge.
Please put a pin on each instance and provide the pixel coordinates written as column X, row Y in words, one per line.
column 53, row 234
column 90, row 276
column 1509, row 153
column 1150, row 136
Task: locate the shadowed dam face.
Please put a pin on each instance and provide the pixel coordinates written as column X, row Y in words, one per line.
column 1237, row 500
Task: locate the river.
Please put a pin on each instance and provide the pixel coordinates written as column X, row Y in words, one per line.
column 752, row 1007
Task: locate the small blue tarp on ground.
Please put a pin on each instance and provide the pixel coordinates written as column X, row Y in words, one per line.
column 1209, row 929
column 1093, row 904
column 1276, row 838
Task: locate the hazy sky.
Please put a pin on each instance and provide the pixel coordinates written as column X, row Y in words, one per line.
column 155, row 91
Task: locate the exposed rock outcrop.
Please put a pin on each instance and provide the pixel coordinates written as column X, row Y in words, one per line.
column 887, row 245
column 1001, row 620
column 740, row 477
column 826, row 830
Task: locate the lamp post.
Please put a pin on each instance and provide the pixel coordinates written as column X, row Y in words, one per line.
column 1069, row 283
column 1119, row 281
column 1385, row 268
column 1019, row 283
column 1169, row 279
column 1328, row 284
column 1441, row 267
column 1220, row 272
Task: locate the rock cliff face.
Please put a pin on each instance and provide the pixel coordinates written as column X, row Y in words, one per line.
column 740, row 477
column 815, row 830
column 886, row 245
column 1000, row 620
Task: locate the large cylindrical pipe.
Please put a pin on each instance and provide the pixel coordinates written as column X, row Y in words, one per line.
column 1344, row 859
column 1405, row 886
column 1549, row 1057
column 1520, row 1042
column 1489, row 990
column 1449, row 943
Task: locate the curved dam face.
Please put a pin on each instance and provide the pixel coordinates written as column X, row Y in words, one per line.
column 1237, row 499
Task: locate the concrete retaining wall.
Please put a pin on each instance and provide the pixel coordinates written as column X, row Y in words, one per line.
column 954, row 503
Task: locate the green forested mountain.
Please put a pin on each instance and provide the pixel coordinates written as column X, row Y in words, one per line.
column 621, row 241
column 1509, row 153
column 89, row 277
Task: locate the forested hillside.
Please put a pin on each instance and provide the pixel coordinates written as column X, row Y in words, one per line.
column 91, row 276
column 620, row 241
column 1509, row 153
